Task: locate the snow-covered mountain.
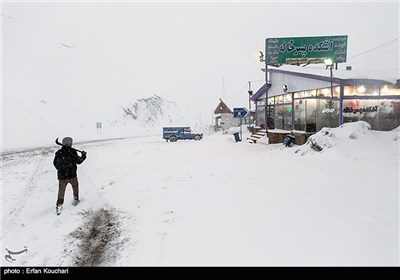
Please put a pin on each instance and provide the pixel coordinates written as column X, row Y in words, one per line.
column 147, row 116
column 39, row 122
column 154, row 111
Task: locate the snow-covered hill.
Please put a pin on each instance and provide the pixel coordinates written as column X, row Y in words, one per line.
column 153, row 112
column 39, row 122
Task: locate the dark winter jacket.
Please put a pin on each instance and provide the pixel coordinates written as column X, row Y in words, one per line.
column 65, row 161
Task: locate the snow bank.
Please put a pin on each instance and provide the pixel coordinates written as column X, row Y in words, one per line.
column 220, row 203
column 263, row 140
column 396, row 133
column 344, row 135
column 236, row 129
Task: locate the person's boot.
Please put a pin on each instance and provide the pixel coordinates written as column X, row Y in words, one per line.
column 75, row 201
column 59, row 208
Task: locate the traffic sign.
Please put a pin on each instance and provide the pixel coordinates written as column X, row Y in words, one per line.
column 240, row 112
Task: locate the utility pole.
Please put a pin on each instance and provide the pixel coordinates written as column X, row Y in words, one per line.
column 250, row 94
column 261, row 56
column 330, row 67
column 223, row 87
column 266, row 98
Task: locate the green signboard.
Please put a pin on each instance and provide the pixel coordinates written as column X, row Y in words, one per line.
column 303, row 50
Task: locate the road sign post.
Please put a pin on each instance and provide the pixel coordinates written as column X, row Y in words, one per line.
column 240, row 113
column 241, row 129
column 98, row 126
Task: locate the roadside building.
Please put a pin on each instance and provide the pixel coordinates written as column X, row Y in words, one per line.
column 306, row 102
column 223, row 116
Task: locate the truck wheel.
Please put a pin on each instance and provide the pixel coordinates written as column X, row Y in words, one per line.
column 197, row 137
column 172, row 138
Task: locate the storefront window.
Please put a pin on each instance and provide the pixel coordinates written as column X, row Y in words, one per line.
column 299, row 115
column 326, row 92
column 299, row 94
column 310, row 93
column 283, row 117
column 305, row 115
column 271, row 114
column 261, row 102
column 313, row 114
column 386, row 90
column 271, row 100
column 381, row 114
column 287, row 98
column 361, row 90
column 327, row 113
column 260, row 115
column 279, row 99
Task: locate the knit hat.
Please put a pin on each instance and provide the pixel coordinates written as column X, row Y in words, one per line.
column 67, row 141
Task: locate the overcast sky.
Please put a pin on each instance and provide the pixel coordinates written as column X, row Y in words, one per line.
column 100, row 54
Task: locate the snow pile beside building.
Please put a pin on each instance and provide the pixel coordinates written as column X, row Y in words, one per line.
column 396, row 134
column 346, row 137
column 263, row 140
column 397, row 129
column 236, row 129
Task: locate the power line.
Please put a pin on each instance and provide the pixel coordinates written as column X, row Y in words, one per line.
column 384, row 44
column 241, row 91
column 247, row 83
column 372, row 71
column 366, row 59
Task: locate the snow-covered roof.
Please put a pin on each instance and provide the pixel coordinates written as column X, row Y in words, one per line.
column 314, row 77
column 222, row 108
column 341, row 73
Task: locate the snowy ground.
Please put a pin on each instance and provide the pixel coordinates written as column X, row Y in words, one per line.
column 214, row 202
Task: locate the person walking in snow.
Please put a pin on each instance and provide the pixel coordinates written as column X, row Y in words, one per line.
column 65, row 161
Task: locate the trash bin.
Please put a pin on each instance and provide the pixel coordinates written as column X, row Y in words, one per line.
column 237, row 138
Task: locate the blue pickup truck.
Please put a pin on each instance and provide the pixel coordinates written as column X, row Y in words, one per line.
column 174, row 134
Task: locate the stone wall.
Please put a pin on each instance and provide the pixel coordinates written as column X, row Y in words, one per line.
column 301, row 138
column 275, row 137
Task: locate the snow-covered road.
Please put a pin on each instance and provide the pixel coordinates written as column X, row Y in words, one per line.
column 214, row 202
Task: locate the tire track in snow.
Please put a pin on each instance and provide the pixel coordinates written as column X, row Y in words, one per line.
column 14, row 216
column 51, row 225
column 98, row 238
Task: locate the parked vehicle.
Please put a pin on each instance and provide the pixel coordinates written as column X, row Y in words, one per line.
column 174, row 134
